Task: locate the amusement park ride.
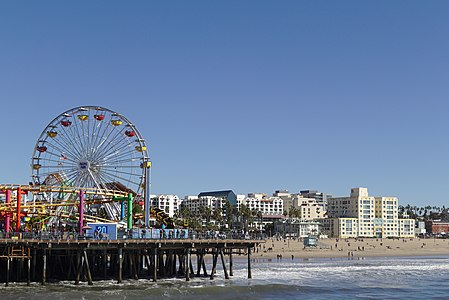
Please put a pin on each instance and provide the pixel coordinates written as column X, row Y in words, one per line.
column 89, row 164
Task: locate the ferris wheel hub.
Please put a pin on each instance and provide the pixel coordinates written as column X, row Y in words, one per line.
column 84, row 165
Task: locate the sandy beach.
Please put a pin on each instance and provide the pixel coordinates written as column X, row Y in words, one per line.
column 364, row 247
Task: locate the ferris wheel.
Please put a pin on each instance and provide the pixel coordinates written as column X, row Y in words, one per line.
column 91, row 147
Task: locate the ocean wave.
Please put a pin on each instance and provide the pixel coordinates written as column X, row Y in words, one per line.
column 324, row 279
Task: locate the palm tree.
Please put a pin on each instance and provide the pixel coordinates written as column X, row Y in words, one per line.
column 205, row 213
column 185, row 212
column 421, row 210
column 218, row 216
column 401, row 210
column 260, row 216
column 229, row 210
column 246, row 215
column 269, row 229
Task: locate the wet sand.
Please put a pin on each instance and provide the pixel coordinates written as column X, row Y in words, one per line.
column 365, row 247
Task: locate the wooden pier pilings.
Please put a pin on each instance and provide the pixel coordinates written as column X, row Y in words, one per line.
column 91, row 260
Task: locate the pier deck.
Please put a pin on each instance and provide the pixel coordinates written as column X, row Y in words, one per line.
column 28, row 260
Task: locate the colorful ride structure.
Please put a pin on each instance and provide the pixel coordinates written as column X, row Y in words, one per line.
column 162, row 218
column 88, row 164
column 23, row 204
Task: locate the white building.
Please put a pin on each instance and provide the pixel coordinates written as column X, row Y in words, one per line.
column 194, row 203
column 268, row 206
column 293, row 227
column 406, row 228
column 420, row 228
column 168, row 203
column 271, row 208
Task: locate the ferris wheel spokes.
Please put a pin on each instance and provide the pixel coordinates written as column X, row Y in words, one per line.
column 92, row 147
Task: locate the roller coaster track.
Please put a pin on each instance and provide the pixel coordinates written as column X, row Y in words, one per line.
column 36, row 189
column 57, row 207
column 162, row 217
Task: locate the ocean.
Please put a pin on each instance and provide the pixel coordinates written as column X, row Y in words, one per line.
column 337, row 278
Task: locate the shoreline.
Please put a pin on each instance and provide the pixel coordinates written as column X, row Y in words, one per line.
column 352, row 248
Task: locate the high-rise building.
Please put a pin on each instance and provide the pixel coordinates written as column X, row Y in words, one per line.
column 387, row 211
column 361, row 215
column 359, row 205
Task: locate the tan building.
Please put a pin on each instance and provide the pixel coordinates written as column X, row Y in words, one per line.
column 376, row 216
column 358, row 205
column 387, row 210
column 340, row 227
column 286, row 198
column 308, row 208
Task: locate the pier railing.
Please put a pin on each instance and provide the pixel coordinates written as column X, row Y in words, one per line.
column 129, row 235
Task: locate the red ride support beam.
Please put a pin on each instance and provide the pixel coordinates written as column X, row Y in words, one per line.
column 19, row 199
column 81, row 213
column 8, row 214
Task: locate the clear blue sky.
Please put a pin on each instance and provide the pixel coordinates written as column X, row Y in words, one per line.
column 252, row 96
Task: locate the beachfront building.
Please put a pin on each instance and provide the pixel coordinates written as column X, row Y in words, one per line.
column 420, row 228
column 194, row 204
column 265, row 209
column 437, row 227
column 286, row 198
column 168, row 203
column 340, row 227
column 406, row 228
column 289, row 199
column 387, row 213
column 359, row 205
column 268, row 206
column 320, row 197
column 307, row 208
column 209, row 201
column 219, row 197
column 375, row 216
column 294, row 227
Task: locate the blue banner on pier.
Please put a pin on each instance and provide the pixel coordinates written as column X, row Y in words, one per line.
column 109, row 231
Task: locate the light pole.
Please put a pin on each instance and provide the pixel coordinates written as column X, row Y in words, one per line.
column 147, row 167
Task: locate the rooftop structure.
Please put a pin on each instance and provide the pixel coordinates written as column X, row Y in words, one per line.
column 226, row 194
column 320, row 197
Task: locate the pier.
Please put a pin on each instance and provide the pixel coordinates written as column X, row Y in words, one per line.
column 89, row 260
column 86, row 215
